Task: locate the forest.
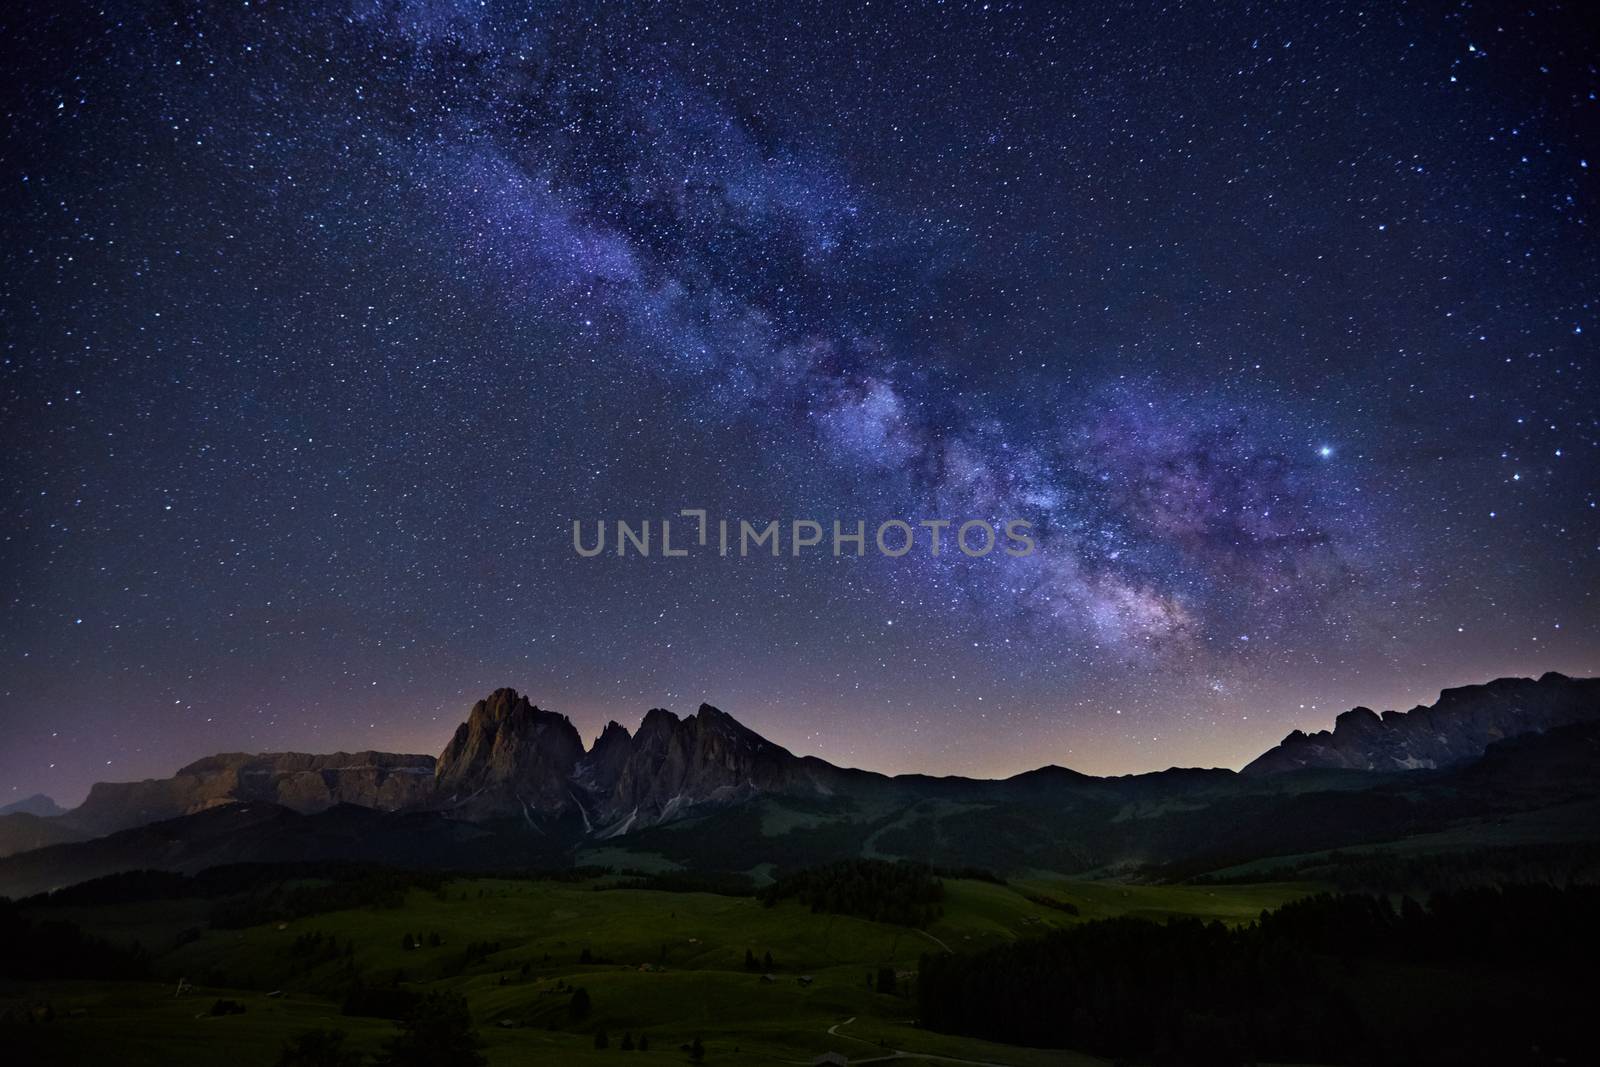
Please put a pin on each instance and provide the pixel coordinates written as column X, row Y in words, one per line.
column 908, row 894
column 1464, row 978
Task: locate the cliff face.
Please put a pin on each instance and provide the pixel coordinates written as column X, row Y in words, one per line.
column 513, row 760
column 676, row 763
column 509, row 758
column 1457, row 729
column 300, row 781
column 597, row 772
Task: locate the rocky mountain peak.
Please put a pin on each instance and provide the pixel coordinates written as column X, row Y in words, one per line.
column 658, row 725
column 510, row 757
column 301, row 781
column 38, row 805
column 1457, row 728
column 614, row 734
column 597, row 772
column 1359, row 719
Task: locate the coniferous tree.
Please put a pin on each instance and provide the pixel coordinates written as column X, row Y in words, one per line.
column 318, row 1048
column 438, row 1033
column 886, row 980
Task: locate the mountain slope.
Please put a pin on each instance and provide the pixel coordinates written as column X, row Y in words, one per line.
column 1167, row 825
column 674, row 765
column 301, row 782
column 510, row 757
column 705, row 791
column 21, row 832
column 38, row 804
column 1458, row 728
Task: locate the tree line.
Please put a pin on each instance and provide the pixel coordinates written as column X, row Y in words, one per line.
column 1477, row 976
column 905, row 893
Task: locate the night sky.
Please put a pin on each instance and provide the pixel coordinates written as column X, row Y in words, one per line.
column 321, row 323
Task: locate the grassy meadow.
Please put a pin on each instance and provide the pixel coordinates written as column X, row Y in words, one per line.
column 668, row 965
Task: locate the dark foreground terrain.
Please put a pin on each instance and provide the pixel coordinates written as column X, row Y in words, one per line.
column 862, row 958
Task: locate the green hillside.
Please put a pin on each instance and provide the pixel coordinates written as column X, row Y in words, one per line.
column 669, row 965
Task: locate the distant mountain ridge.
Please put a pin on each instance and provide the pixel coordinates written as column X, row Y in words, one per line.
column 1170, row 825
column 510, row 757
column 299, row 781
column 1458, row 728
column 512, row 765
column 38, row 804
column 513, row 759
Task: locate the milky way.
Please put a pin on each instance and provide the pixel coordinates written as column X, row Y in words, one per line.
column 324, row 323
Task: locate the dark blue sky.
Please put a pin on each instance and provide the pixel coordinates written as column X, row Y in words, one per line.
column 322, row 323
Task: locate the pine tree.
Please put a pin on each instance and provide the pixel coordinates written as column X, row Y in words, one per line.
column 318, row 1048
column 438, row 1033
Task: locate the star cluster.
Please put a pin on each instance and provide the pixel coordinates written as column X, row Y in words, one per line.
column 323, row 323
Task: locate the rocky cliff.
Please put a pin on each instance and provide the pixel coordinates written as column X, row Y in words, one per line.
column 296, row 780
column 513, row 760
column 509, row 758
column 675, row 764
column 1455, row 730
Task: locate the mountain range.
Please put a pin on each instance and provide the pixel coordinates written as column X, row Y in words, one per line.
column 38, row 804
column 1510, row 760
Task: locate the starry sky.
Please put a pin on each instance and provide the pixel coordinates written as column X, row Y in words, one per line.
column 323, row 322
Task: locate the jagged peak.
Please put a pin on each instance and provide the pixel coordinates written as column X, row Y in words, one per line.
column 1455, row 728
column 657, row 723
column 1357, row 718
column 505, row 704
column 614, row 734
column 707, row 717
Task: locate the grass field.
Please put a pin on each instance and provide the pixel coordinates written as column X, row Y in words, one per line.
column 670, row 965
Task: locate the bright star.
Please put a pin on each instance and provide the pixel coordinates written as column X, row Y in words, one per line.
column 1326, row 451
